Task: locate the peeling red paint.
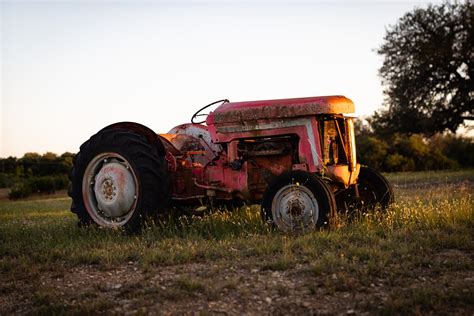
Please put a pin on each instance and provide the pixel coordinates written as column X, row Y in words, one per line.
column 281, row 108
column 246, row 144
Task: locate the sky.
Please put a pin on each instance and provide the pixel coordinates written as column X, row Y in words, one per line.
column 70, row 68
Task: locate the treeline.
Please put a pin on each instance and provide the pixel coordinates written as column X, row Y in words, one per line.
column 47, row 173
column 415, row 152
column 35, row 173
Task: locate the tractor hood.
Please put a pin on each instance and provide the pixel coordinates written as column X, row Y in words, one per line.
column 280, row 108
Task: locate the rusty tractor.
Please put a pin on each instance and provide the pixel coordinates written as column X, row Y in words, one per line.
column 294, row 157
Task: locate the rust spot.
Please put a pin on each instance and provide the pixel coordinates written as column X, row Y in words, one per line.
column 282, row 108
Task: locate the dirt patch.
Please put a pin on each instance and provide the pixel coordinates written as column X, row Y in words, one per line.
column 235, row 288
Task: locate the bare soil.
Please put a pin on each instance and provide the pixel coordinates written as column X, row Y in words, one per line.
column 237, row 288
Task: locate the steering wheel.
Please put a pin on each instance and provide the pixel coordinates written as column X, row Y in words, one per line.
column 198, row 113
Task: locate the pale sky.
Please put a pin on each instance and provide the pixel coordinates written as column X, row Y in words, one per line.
column 69, row 68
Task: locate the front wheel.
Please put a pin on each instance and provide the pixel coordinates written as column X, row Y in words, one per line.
column 298, row 201
column 374, row 189
column 374, row 192
column 118, row 179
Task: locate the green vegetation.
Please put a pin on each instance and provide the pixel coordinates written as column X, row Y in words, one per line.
column 415, row 152
column 48, row 173
column 427, row 75
column 415, row 258
column 35, row 173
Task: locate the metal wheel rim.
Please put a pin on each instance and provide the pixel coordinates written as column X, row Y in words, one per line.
column 93, row 198
column 295, row 208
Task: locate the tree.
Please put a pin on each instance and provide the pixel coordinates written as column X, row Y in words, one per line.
column 428, row 70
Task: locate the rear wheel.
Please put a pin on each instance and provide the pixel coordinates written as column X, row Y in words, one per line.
column 298, row 201
column 118, row 180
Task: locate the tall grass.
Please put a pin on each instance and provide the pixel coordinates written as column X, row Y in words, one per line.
column 45, row 232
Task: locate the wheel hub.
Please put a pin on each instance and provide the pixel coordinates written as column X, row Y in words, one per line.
column 114, row 189
column 295, row 207
column 108, row 189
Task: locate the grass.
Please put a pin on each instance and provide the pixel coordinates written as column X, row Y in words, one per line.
column 415, row 258
column 426, row 177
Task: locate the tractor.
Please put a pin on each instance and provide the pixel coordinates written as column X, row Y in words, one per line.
column 295, row 157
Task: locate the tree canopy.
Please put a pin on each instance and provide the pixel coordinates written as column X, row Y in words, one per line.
column 428, row 71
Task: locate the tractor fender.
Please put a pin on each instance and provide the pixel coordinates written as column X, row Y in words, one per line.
column 138, row 128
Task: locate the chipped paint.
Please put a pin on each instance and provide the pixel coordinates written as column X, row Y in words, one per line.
column 247, row 144
column 280, row 108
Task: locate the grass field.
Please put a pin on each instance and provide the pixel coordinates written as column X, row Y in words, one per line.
column 417, row 258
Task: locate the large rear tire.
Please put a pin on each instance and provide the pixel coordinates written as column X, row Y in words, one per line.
column 118, row 180
column 298, row 201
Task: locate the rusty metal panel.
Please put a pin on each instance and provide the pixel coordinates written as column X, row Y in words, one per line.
column 309, row 150
column 281, row 108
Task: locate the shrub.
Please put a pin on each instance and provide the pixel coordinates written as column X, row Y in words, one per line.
column 61, row 182
column 46, row 185
column 7, row 180
column 397, row 162
column 436, row 160
column 371, row 151
column 19, row 191
column 459, row 148
column 414, row 152
column 42, row 185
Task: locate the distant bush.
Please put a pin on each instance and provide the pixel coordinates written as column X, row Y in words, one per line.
column 46, row 185
column 61, row 182
column 42, row 185
column 397, row 162
column 414, row 152
column 19, row 191
column 36, row 165
column 8, row 180
column 35, row 173
column 372, row 151
column 458, row 148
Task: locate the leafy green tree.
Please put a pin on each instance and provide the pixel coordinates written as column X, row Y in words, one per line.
column 8, row 165
column 428, row 70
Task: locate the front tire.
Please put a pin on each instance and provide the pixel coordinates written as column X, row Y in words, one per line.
column 374, row 192
column 298, row 201
column 374, row 189
column 118, row 180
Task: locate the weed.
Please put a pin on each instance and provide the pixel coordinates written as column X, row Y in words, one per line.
column 190, row 285
column 280, row 264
